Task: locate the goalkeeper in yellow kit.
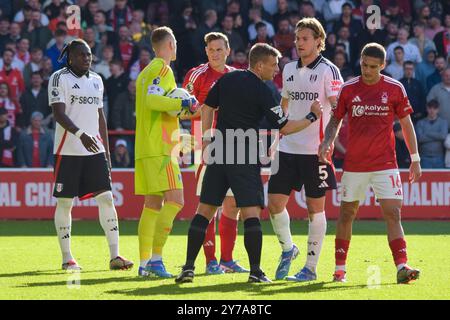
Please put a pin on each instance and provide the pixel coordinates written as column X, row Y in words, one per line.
column 157, row 174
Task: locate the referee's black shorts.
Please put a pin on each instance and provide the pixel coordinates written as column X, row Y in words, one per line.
column 298, row 170
column 243, row 179
column 81, row 176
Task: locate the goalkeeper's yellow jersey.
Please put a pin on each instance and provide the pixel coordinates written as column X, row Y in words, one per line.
column 156, row 131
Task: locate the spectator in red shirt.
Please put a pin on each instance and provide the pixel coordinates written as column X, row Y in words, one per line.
column 10, row 105
column 11, row 76
column 145, row 57
column 403, row 7
column 23, row 53
column 121, row 15
column 240, row 60
column 284, row 38
column 278, row 79
column 126, row 47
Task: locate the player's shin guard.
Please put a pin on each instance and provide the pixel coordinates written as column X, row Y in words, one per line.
column 398, row 249
column 196, row 236
column 63, row 224
column 108, row 221
column 316, row 233
column 253, row 242
column 228, row 233
column 146, row 231
column 281, row 227
column 164, row 225
column 341, row 250
column 209, row 244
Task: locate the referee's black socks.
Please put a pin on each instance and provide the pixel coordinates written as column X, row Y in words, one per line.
column 253, row 243
column 196, row 236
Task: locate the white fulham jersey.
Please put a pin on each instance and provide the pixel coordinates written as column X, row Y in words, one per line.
column 321, row 80
column 83, row 96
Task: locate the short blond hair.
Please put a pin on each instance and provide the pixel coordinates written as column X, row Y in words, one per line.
column 217, row 36
column 160, row 34
column 316, row 27
column 260, row 52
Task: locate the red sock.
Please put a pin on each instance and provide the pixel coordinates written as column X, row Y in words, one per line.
column 209, row 245
column 228, row 233
column 398, row 248
column 341, row 250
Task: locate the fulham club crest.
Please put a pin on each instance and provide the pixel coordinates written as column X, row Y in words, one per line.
column 313, row 78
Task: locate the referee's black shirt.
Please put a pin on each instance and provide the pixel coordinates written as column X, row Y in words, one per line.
column 243, row 100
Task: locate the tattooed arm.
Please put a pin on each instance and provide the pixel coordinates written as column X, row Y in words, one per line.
column 331, row 133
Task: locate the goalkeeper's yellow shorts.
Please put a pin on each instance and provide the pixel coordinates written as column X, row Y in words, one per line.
column 155, row 175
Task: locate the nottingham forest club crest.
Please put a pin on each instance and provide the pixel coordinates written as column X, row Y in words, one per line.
column 384, row 97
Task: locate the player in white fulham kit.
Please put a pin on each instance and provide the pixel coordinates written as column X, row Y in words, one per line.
column 82, row 160
column 310, row 78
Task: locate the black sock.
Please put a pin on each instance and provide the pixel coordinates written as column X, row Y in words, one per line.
column 253, row 243
column 196, row 236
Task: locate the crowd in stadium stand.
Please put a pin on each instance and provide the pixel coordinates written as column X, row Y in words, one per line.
column 415, row 33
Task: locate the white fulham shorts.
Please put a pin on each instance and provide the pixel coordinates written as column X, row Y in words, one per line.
column 386, row 184
column 199, row 173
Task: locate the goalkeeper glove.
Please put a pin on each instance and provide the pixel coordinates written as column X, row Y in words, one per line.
column 189, row 105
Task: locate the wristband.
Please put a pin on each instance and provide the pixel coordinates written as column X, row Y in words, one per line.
column 415, row 157
column 78, row 133
column 311, row 117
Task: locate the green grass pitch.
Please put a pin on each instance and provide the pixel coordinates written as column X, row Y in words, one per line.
column 30, row 267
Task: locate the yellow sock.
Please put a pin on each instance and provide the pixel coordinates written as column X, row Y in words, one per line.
column 164, row 225
column 146, row 232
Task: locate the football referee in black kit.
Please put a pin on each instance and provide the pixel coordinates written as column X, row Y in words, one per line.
column 242, row 100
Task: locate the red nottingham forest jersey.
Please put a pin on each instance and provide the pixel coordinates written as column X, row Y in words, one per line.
column 371, row 112
column 199, row 80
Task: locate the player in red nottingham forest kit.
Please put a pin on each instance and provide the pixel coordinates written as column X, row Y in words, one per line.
column 198, row 81
column 372, row 101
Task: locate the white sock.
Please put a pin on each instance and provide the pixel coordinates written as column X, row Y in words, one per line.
column 281, row 227
column 156, row 257
column 63, row 224
column 143, row 263
column 400, row 266
column 108, row 220
column 316, row 234
column 340, row 268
